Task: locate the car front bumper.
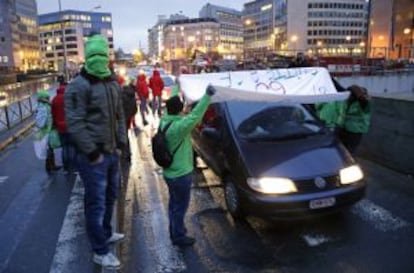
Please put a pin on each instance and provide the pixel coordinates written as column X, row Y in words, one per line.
column 298, row 205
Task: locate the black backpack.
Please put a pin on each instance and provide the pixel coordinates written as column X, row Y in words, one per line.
column 162, row 156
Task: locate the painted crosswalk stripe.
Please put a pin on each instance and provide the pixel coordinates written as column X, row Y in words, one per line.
column 3, row 179
column 379, row 217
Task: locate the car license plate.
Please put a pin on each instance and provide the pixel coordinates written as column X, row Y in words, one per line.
column 322, row 203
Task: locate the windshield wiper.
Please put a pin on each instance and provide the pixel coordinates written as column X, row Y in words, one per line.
column 281, row 138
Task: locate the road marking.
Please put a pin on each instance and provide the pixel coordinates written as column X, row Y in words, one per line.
column 154, row 214
column 316, row 239
column 379, row 217
column 73, row 229
column 3, row 179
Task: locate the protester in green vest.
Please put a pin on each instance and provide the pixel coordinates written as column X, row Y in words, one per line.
column 351, row 118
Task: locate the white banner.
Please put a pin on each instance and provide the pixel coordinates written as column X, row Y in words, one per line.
column 300, row 85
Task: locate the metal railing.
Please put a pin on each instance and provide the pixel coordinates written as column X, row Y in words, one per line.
column 18, row 101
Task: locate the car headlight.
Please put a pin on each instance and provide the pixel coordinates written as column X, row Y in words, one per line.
column 272, row 185
column 351, row 174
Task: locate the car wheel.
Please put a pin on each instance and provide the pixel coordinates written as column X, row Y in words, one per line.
column 233, row 200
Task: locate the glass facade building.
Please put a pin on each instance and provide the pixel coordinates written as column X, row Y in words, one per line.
column 65, row 32
column 19, row 44
column 285, row 27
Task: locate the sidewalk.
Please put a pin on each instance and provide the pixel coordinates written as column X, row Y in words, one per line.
column 9, row 136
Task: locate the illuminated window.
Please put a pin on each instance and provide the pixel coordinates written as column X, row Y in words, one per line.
column 266, row 7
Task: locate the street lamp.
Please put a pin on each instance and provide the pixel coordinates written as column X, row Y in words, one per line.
column 62, row 27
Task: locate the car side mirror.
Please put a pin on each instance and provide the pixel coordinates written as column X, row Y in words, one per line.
column 211, row 133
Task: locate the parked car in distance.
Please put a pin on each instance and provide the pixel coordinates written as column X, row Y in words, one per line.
column 168, row 86
column 277, row 160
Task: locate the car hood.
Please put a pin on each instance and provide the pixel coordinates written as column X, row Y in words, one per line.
column 298, row 159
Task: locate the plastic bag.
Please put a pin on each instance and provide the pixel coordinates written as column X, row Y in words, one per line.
column 54, row 139
column 40, row 147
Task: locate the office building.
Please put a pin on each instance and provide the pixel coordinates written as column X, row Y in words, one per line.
column 231, row 30
column 182, row 38
column 324, row 27
column 19, row 44
column 392, row 29
column 62, row 36
column 156, row 36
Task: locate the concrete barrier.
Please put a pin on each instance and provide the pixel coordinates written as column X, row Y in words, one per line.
column 381, row 84
column 390, row 140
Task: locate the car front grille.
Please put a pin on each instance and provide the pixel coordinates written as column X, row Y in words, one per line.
column 309, row 185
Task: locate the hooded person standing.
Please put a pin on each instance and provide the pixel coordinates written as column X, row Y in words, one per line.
column 59, row 123
column 143, row 94
column 43, row 124
column 96, row 124
column 179, row 174
column 157, row 85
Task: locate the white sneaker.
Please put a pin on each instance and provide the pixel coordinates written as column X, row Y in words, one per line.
column 115, row 237
column 108, row 260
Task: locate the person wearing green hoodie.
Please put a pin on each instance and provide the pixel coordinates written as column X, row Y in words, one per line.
column 179, row 174
column 43, row 124
column 350, row 119
column 95, row 121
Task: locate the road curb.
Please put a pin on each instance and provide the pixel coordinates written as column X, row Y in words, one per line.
column 13, row 138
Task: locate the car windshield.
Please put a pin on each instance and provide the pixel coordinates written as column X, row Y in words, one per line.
column 273, row 121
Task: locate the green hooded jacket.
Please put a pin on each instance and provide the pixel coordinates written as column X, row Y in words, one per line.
column 43, row 115
column 357, row 119
column 179, row 133
column 350, row 116
column 331, row 113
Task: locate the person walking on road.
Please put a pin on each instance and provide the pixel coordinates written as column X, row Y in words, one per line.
column 130, row 109
column 157, row 85
column 143, row 94
column 178, row 175
column 59, row 123
column 95, row 121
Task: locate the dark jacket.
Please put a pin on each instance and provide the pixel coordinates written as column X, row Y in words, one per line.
column 128, row 101
column 94, row 114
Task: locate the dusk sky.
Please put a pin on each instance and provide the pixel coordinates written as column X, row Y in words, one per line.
column 131, row 19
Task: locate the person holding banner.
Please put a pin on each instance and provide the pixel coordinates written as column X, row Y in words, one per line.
column 179, row 174
column 350, row 119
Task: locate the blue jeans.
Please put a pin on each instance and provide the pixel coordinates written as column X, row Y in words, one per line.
column 101, row 189
column 179, row 189
column 156, row 105
column 143, row 109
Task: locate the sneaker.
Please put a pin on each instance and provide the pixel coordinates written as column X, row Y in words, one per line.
column 107, row 260
column 184, row 241
column 116, row 237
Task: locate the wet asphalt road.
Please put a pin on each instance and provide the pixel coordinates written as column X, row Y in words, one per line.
column 376, row 235
column 42, row 226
